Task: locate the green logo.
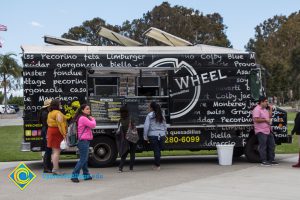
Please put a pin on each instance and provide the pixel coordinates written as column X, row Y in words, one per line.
column 21, row 176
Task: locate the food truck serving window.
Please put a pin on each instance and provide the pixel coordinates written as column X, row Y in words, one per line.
column 148, row 86
column 106, row 86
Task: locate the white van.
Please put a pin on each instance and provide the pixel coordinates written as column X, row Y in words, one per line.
column 8, row 109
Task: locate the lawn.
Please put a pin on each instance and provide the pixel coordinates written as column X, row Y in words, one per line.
column 11, row 138
column 10, row 145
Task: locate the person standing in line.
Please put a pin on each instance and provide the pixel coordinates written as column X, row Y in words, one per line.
column 296, row 130
column 43, row 115
column 57, row 131
column 124, row 146
column 155, row 131
column 85, row 123
column 262, row 115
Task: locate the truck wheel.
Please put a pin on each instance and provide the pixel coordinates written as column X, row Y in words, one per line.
column 251, row 150
column 105, row 152
column 238, row 152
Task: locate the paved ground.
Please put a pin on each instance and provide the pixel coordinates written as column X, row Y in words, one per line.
column 196, row 177
column 11, row 119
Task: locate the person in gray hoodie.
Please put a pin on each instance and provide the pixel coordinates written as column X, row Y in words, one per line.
column 155, row 131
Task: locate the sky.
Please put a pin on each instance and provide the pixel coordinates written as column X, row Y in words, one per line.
column 28, row 21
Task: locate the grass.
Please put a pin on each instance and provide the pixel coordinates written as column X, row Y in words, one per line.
column 12, row 136
column 10, row 144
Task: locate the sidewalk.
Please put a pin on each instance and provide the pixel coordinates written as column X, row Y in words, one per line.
column 254, row 183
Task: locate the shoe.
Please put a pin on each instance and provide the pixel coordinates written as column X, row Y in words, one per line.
column 157, row 168
column 296, row 165
column 120, row 171
column 75, row 180
column 48, row 171
column 274, row 163
column 57, row 172
column 87, row 177
column 265, row 164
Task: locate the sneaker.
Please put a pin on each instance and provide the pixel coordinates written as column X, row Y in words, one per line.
column 157, row 168
column 57, row 172
column 265, row 164
column 48, row 171
column 274, row 163
column 120, row 171
column 75, row 180
column 87, row 177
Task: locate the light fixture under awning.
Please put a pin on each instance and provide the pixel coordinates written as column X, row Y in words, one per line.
column 63, row 41
column 118, row 38
column 166, row 38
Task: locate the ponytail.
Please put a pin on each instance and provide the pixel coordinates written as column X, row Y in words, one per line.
column 157, row 111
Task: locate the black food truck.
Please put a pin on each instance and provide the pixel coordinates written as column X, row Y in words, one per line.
column 205, row 92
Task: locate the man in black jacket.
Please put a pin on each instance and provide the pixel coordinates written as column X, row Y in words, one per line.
column 296, row 130
column 48, row 151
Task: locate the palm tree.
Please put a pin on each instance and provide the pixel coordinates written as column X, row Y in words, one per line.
column 10, row 70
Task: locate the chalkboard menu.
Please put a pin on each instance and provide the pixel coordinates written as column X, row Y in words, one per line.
column 106, row 110
column 138, row 107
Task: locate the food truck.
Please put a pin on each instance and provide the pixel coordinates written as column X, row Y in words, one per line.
column 206, row 94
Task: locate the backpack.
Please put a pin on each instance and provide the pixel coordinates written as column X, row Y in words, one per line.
column 72, row 134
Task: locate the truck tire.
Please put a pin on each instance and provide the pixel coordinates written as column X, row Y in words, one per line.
column 238, row 152
column 251, row 150
column 105, row 152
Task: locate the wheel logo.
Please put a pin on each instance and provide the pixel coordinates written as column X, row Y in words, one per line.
column 179, row 66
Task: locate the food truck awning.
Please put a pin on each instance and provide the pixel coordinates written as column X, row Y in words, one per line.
column 63, row 41
column 166, row 38
column 118, row 38
column 134, row 71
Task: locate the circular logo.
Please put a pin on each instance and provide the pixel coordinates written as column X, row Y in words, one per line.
column 184, row 108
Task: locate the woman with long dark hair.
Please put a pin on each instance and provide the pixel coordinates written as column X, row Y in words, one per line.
column 56, row 132
column 85, row 123
column 124, row 146
column 155, row 131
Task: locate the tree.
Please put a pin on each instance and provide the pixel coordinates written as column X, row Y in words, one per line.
column 186, row 23
column 1, row 97
column 275, row 43
column 88, row 32
column 183, row 22
column 17, row 100
column 10, row 72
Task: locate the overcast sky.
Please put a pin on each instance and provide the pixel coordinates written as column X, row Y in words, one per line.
column 28, row 21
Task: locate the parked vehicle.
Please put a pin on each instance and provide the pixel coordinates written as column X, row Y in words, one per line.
column 15, row 107
column 9, row 110
column 206, row 93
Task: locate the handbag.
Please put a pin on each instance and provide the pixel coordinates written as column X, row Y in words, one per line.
column 132, row 133
column 119, row 130
column 63, row 144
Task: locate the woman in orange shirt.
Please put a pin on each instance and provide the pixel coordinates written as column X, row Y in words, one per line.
column 57, row 131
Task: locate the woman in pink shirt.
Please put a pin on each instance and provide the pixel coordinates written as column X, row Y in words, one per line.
column 85, row 123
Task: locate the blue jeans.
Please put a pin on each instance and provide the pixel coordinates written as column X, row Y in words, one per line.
column 266, row 147
column 83, row 147
column 157, row 144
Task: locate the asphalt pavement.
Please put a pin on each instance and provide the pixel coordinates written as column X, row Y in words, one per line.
column 190, row 177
